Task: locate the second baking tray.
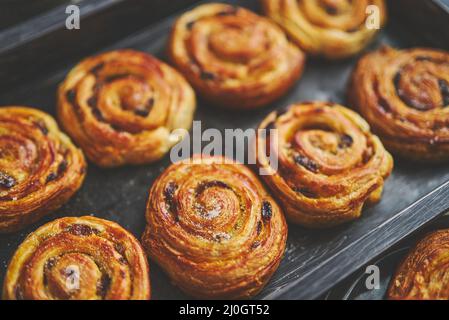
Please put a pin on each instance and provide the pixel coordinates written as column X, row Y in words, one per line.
column 315, row 260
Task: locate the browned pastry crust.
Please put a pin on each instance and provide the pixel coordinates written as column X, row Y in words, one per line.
column 109, row 263
column 329, row 164
column 424, row 274
column 40, row 168
column 122, row 106
column 214, row 229
column 233, row 57
column 404, row 95
column 329, row 28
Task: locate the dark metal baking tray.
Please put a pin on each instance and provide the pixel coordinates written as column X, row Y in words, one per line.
column 314, row 260
column 354, row 288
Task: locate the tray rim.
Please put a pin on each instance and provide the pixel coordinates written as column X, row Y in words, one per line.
column 304, row 287
column 440, row 195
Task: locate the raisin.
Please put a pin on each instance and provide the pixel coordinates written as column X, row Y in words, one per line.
column 80, row 230
column 259, row 227
column 42, row 127
column 103, row 285
column 150, row 103
column 6, row 181
column 169, row 193
column 97, row 68
column 52, row 176
column 71, row 95
column 141, row 112
column 97, row 114
column 255, row 244
column 305, row 192
column 444, row 88
column 62, row 167
column 346, row 141
column 205, row 75
column 267, row 211
column 92, row 102
column 190, row 24
column 307, row 163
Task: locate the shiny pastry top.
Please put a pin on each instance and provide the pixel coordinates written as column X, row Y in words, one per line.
column 404, row 95
column 424, row 274
column 328, row 162
column 122, row 106
column 214, row 229
column 82, row 258
column 233, row 57
column 40, row 168
column 330, row 28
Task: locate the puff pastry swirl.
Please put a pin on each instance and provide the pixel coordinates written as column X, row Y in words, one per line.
column 82, row 258
column 404, row 95
column 122, row 106
column 233, row 57
column 424, row 274
column 329, row 28
column 40, row 168
column 214, row 229
column 328, row 163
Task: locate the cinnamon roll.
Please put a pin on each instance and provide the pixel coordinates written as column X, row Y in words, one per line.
column 424, row 274
column 82, row 258
column 233, row 57
column 121, row 107
column 328, row 163
column 214, row 229
column 404, row 95
column 330, row 28
column 40, row 168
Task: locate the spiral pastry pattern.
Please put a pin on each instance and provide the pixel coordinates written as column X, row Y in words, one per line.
column 214, row 229
column 424, row 274
column 40, row 168
column 82, row 258
column 122, row 106
column 233, row 57
column 330, row 28
column 404, row 95
column 329, row 164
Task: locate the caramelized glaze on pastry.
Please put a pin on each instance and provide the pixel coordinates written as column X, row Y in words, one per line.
column 404, row 95
column 424, row 274
column 121, row 107
column 82, row 258
column 40, row 168
column 330, row 28
column 233, row 57
column 328, row 163
column 214, row 229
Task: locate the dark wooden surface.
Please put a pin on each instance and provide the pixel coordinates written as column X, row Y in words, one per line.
column 314, row 260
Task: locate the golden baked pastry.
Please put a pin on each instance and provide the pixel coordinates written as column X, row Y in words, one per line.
column 121, row 107
column 233, row 57
column 214, row 229
column 328, row 163
column 424, row 274
column 330, row 28
column 404, row 95
column 40, row 168
column 82, row 258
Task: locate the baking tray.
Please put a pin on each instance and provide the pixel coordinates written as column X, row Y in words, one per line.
column 354, row 287
column 314, row 261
